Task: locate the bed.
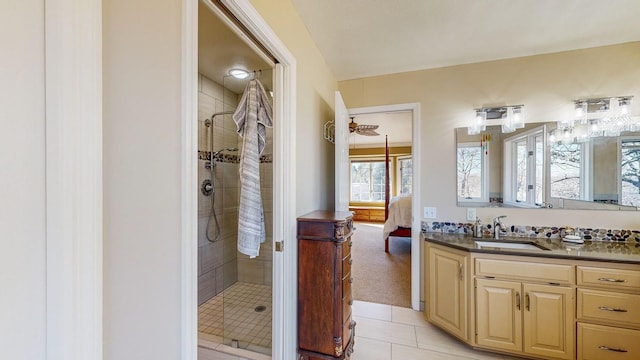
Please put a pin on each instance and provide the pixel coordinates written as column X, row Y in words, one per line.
column 397, row 211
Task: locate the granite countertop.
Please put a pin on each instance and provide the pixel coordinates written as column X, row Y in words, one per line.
column 607, row 251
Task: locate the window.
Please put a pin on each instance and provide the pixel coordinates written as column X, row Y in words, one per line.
column 472, row 169
column 405, row 175
column 367, row 181
column 524, row 161
column 630, row 172
column 566, row 167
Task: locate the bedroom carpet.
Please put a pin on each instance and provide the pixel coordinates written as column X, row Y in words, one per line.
column 380, row 277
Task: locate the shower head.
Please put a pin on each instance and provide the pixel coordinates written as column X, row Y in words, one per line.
column 221, row 150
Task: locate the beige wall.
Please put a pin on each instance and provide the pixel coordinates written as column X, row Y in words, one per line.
column 142, row 151
column 546, row 84
column 315, row 97
column 22, row 181
column 142, row 147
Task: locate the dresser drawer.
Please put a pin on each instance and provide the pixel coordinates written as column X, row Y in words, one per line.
column 540, row 272
column 346, row 247
column 597, row 342
column 346, row 284
column 628, row 280
column 618, row 308
column 346, row 332
column 346, row 265
column 347, row 301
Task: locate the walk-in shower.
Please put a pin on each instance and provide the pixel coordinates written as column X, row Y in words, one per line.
column 234, row 291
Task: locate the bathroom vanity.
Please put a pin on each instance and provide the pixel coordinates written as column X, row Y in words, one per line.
column 534, row 297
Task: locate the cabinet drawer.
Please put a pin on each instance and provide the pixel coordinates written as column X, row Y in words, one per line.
column 346, row 265
column 347, row 301
column 347, row 326
column 597, row 342
column 628, row 280
column 346, row 247
column 346, row 284
column 540, row 272
column 619, row 308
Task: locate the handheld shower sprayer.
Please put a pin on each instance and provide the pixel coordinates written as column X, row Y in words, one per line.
column 209, row 189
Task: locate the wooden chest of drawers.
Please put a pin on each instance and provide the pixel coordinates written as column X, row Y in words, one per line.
column 325, row 327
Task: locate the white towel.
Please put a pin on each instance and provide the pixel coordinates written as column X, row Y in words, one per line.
column 252, row 117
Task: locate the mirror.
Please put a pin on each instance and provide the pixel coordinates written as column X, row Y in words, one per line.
column 529, row 168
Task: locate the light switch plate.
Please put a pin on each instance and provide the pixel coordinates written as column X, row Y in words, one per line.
column 471, row 214
column 429, row 212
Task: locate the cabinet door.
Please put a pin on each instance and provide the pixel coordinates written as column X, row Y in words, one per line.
column 447, row 291
column 499, row 314
column 548, row 321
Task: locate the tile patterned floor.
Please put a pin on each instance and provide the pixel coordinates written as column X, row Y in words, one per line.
column 237, row 307
column 387, row 332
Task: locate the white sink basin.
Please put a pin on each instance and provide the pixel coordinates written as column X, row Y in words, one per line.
column 508, row 245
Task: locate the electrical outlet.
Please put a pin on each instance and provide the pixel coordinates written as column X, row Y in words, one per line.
column 429, row 212
column 471, row 214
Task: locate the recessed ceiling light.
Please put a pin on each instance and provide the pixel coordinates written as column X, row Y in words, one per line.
column 239, row 73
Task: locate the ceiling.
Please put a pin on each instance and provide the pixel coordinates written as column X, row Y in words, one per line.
column 361, row 38
column 221, row 49
column 397, row 125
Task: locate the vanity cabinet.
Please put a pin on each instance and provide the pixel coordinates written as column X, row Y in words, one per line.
column 608, row 313
column 532, row 305
column 519, row 317
column 447, row 283
column 525, row 307
column 325, row 326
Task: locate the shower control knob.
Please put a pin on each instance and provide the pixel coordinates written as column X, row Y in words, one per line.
column 206, row 187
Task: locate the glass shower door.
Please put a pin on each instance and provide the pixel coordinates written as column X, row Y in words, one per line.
column 247, row 298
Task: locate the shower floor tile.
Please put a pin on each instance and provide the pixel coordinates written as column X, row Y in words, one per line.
column 232, row 315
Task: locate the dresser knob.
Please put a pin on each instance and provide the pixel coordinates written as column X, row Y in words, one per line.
column 350, row 261
column 351, row 302
column 351, row 280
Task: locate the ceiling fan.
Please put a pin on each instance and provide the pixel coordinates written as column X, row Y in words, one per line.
column 366, row 130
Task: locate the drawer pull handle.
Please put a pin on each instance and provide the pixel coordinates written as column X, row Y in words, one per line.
column 602, row 347
column 350, row 261
column 527, row 301
column 461, row 272
column 518, row 300
column 351, row 280
column 612, row 280
column 607, row 308
column 351, row 243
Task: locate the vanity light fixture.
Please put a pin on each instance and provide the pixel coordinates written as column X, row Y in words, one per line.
column 623, row 105
column 511, row 115
column 479, row 124
column 607, row 116
column 239, row 73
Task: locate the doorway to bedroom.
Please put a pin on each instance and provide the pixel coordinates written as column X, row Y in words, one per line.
column 381, row 190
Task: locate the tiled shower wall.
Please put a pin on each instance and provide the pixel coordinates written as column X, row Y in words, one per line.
column 219, row 263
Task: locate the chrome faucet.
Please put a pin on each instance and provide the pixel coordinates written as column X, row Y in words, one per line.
column 498, row 226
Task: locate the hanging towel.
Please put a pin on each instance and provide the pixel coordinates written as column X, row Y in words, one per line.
column 252, row 117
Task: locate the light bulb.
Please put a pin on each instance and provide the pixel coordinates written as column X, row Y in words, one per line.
column 239, row 73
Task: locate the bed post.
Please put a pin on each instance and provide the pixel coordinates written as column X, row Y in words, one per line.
column 386, row 187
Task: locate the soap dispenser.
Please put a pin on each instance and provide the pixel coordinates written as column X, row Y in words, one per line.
column 477, row 229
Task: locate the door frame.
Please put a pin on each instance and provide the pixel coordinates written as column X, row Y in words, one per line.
column 416, row 245
column 284, row 168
